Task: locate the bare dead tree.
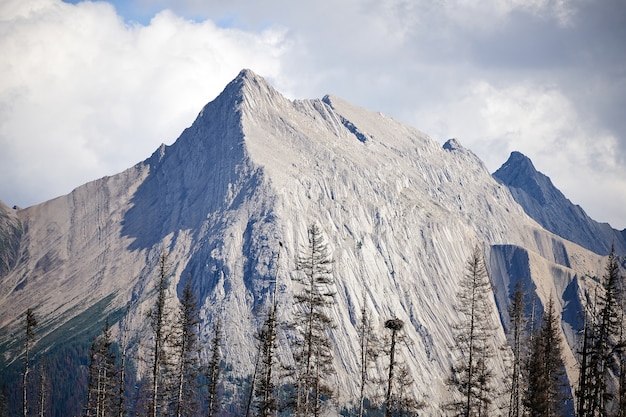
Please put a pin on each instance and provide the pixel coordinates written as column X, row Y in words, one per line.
column 29, row 327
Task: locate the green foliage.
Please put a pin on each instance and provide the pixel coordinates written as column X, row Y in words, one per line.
column 471, row 377
column 313, row 350
column 66, row 353
column 547, row 382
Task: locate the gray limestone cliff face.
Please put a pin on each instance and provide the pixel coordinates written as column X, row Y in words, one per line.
column 401, row 214
column 10, row 235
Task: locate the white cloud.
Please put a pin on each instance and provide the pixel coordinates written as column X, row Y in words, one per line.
column 82, row 94
column 581, row 158
column 85, row 93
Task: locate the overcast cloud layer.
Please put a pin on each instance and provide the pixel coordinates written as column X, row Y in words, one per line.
column 89, row 89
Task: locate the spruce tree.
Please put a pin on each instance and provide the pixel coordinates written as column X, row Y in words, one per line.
column 267, row 402
column 621, row 351
column 186, row 348
column 472, row 376
column 213, row 371
column 159, row 321
column 584, row 384
column 121, row 394
column 547, row 389
column 604, row 345
column 516, row 340
column 102, row 390
column 313, row 354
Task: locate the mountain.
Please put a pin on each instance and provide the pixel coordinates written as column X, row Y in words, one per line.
column 543, row 202
column 401, row 214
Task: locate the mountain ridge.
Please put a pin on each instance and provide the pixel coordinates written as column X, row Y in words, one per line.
column 542, row 201
column 400, row 211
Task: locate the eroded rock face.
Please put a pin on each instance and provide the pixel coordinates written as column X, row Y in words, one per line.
column 401, row 214
column 10, row 236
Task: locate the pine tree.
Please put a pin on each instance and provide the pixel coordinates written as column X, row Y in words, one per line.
column 472, row 376
column 516, row 334
column 313, row 355
column 159, row 321
column 102, row 388
column 603, row 355
column 121, row 394
column 264, row 391
column 29, row 325
column 187, row 353
column 583, row 389
column 547, row 383
column 213, row 371
column 266, row 397
column 621, row 351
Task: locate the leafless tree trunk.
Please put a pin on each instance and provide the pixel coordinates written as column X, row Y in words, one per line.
column 30, row 324
column 395, row 325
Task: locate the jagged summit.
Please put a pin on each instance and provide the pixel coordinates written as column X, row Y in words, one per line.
column 248, row 92
column 542, row 201
column 520, row 164
column 519, row 172
column 452, row 145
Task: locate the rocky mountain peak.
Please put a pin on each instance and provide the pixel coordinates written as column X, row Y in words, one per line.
column 399, row 212
column 519, row 172
column 542, row 201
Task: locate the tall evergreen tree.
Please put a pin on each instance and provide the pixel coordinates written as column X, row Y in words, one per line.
column 121, row 394
column 621, row 351
column 604, row 345
column 267, row 402
column 313, row 354
column 159, row 321
column 29, row 327
column 102, row 387
column 583, row 389
column 516, row 340
column 213, row 371
column 547, row 384
column 472, row 375
column 186, row 348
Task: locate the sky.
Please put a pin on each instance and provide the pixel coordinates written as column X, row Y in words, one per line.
column 88, row 89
